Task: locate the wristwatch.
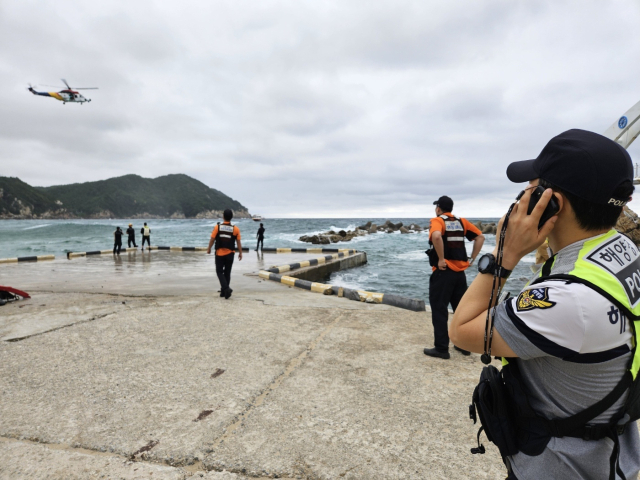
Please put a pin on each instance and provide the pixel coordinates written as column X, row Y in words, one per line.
column 487, row 264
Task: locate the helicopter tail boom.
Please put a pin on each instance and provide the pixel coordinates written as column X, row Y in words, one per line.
column 45, row 94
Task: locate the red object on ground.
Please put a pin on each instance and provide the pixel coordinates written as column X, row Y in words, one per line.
column 15, row 291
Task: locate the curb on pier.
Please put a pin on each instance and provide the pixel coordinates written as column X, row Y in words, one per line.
column 36, row 258
column 71, row 255
column 306, row 250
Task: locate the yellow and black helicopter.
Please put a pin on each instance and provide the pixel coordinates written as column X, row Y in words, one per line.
column 67, row 95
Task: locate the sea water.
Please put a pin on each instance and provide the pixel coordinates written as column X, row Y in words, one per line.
column 397, row 263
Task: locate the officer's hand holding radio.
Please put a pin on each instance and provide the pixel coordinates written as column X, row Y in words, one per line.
column 523, row 234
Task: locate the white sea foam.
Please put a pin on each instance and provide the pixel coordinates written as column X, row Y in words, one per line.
column 351, row 280
column 37, row 226
column 412, row 255
column 346, row 229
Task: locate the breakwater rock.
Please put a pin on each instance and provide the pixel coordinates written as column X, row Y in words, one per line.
column 347, row 235
column 629, row 224
column 489, row 228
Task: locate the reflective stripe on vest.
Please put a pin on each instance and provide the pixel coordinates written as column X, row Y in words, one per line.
column 611, row 263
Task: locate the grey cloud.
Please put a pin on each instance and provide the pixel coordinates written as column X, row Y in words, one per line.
column 336, row 107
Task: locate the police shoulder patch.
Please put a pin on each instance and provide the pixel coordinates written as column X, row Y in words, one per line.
column 534, row 298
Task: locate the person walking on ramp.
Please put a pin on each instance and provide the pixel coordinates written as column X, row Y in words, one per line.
column 225, row 236
column 260, row 236
column 117, row 241
column 132, row 236
column 448, row 258
column 146, row 236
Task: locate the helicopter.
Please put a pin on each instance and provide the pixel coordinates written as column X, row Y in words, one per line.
column 68, row 95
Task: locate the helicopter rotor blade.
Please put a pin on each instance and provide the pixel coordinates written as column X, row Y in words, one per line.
column 65, row 82
column 53, row 86
column 86, row 88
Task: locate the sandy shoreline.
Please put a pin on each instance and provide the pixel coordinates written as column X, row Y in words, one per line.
column 311, row 387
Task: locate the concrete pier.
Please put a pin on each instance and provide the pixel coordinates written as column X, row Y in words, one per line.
column 136, row 368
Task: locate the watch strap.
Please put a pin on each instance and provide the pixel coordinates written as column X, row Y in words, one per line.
column 502, row 272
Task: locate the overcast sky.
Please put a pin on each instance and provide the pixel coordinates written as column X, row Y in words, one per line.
column 313, row 109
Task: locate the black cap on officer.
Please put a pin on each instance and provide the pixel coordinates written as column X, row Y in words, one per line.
column 445, row 203
column 583, row 163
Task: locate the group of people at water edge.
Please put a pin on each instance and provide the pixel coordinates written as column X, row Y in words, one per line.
column 145, row 231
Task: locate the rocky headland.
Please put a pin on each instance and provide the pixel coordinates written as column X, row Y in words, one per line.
column 130, row 196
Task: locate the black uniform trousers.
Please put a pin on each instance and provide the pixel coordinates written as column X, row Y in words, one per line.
column 223, row 270
column 147, row 239
column 117, row 245
column 131, row 240
column 445, row 287
column 260, row 241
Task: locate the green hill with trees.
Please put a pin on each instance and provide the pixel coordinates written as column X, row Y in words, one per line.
column 18, row 199
column 130, row 196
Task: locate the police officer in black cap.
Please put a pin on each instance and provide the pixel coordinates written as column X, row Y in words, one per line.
column 448, row 259
column 568, row 339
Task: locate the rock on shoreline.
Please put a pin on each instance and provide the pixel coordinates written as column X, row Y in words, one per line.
column 346, row 236
column 629, row 224
column 489, row 228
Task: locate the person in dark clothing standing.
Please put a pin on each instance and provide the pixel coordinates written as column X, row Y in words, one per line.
column 448, row 258
column 132, row 236
column 117, row 241
column 225, row 236
column 146, row 236
column 260, row 236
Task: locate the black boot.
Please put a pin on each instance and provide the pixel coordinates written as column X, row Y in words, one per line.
column 432, row 352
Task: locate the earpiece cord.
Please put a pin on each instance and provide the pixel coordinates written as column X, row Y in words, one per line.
column 496, row 289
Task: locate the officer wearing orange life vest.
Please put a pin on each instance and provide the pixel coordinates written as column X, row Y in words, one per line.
column 225, row 237
column 449, row 260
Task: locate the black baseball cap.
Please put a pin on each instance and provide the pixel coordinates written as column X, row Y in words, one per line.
column 445, row 203
column 583, row 163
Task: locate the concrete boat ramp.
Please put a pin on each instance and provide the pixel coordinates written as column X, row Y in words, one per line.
column 135, row 368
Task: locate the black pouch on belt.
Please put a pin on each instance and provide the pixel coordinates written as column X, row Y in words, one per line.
column 433, row 256
column 492, row 404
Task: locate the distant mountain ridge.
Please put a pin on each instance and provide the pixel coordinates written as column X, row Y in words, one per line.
column 129, row 196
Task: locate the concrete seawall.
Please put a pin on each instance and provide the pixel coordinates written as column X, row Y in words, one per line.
column 311, row 274
column 321, row 273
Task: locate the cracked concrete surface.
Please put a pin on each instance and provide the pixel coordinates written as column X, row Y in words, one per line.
column 273, row 383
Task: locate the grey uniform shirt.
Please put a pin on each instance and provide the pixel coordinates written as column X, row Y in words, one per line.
column 573, row 347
